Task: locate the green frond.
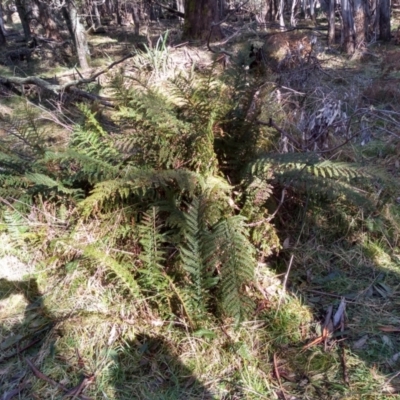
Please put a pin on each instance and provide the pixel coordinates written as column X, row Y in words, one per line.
column 153, row 279
column 192, row 251
column 142, row 184
column 82, row 167
column 25, row 136
column 230, row 251
column 324, row 178
column 41, row 180
column 123, row 271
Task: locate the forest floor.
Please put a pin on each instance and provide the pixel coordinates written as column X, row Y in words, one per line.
column 74, row 331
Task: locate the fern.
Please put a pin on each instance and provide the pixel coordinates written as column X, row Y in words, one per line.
column 324, row 178
column 121, row 270
column 153, row 279
column 230, row 251
column 25, row 137
column 192, row 255
column 44, row 181
column 138, row 186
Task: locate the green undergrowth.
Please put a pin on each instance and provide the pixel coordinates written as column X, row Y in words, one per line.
column 184, row 249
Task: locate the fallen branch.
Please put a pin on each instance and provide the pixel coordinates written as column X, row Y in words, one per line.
column 71, row 86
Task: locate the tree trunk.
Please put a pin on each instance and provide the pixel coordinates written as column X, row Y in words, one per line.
column 360, row 21
column 96, row 17
column 77, row 32
column 348, row 27
column 23, row 16
column 261, row 17
column 312, row 11
column 384, row 20
column 293, row 18
column 47, row 20
column 199, row 18
column 3, row 32
column 281, row 9
column 331, row 23
column 135, row 17
column 180, row 6
column 118, row 12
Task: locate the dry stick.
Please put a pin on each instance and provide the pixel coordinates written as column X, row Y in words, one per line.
column 284, row 283
column 19, row 351
column 272, row 216
column 278, row 377
column 44, row 377
column 272, row 124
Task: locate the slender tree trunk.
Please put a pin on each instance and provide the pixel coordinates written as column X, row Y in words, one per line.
column 261, row 17
column 293, row 19
column 384, row 20
column 135, row 17
column 180, row 6
column 312, row 11
column 199, row 18
column 77, row 32
column 360, row 21
column 331, row 23
column 118, row 12
column 3, row 33
column 96, row 15
column 281, row 9
column 348, row 27
column 23, row 15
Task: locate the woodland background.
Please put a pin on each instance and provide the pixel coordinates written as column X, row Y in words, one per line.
column 199, row 199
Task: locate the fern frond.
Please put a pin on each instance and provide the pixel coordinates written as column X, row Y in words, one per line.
column 230, row 250
column 122, row 271
column 142, row 184
column 195, row 234
column 152, row 278
column 47, row 182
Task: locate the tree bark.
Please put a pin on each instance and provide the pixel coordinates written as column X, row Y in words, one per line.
column 348, row 27
column 47, row 20
column 135, row 17
column 200, row 15
column 77, row 32
column 3, row 32
column 360, row 21
column 23, row 15
column 384, row 20
column 331, row 23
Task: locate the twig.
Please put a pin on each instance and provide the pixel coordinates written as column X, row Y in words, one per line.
column 19, row 351
column 272, row 216
column 76, row 391
column 278, row 377
column 45, row 378
column 284, row 283
column 271, row 123
column 344, row 365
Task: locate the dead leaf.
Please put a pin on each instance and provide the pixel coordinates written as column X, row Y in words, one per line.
column 113, row 335
column 339, row 315
column 360, row 342
column 286, row 243
column 389, row 328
